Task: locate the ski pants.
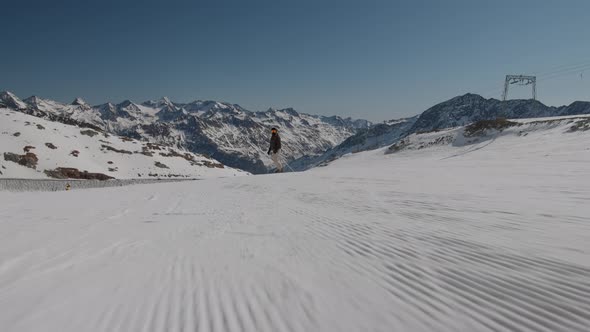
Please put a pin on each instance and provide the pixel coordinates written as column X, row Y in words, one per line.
column 276, row 158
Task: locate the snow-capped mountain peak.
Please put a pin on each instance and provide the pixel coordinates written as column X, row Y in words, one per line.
column 126, row 103
column 79, row 102
column 43, row 104
column 159, row 103
column 107, row 111
column 33, row 100
column 107, row 105
column 8, row 99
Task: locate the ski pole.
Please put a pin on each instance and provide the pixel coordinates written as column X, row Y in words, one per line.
column 286, row 163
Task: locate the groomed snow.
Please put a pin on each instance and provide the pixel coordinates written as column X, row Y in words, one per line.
column 60, row 185
column 488, row 237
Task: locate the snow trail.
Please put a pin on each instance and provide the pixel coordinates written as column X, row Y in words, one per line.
column 493, row 240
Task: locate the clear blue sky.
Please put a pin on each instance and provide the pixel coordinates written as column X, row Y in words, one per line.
column 367, row 59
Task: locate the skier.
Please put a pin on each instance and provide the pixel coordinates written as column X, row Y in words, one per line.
column 275, row 148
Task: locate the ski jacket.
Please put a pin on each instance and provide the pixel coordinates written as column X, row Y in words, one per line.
column 275, row 143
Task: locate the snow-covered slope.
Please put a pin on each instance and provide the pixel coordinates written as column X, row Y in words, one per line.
column 245, row 138
column 51, row 145
column 491, row 236
column 370, row 138
column 469, row 108
column 458, row 111
column 235, row 136
column 8, row 99
column 478, row 135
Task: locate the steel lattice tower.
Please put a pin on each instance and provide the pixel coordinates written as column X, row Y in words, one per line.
column 520, row 80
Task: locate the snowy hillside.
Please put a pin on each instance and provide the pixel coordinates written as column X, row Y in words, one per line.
column 458, row 111
column 480, row 134
column 463, row 110
column 31, row 147
column 242, row 139
column 233, row 135
column 373, row 137
column 488, row 235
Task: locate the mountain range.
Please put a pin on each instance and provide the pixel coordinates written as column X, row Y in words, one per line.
column 455, row 112
column 227, row 132
column 238, row 137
